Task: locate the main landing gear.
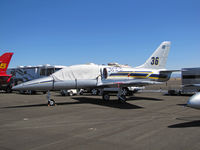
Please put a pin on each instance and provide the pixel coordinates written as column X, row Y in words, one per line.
column 51, row 102
column 121, row 95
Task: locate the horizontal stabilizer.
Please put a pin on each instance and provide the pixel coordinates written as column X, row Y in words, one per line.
column 168, row 71
column 195, row 85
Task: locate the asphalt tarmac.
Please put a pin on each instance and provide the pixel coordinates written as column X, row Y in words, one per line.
column 148, row 121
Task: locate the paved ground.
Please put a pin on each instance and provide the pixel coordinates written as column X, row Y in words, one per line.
column 147, row 121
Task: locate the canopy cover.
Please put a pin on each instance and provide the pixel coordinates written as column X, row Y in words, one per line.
column 87, row 71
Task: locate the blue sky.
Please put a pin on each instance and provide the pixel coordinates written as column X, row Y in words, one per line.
column 67, row 32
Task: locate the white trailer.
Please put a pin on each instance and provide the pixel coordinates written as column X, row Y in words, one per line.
column 190, row 80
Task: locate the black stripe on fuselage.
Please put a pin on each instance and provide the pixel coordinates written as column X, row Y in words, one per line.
column 163, row 76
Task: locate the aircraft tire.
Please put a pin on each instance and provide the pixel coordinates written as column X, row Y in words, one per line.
column 125, row 91
column 51, row 102
column 71, row 93
column 106, row 97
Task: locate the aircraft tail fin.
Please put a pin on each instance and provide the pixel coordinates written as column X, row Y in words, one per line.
column 158, row 59
column 4, row 62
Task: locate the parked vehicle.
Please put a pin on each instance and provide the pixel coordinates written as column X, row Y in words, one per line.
column 190, row 78
column 71, row 92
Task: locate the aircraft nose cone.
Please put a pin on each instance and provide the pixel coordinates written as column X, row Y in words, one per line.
column 42, row 84
column 194, row 101
column 17, row 87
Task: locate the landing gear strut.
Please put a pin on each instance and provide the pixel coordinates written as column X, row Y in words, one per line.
column 122, row 92
column 51, row 102
column 122, row 95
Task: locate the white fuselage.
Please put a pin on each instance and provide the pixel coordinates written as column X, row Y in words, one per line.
column 100, row 76
column 90, row 76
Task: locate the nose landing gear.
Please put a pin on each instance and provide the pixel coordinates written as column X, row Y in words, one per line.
column 51, row 102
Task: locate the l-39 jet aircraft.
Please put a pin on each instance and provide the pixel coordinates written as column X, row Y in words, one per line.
column 101, row 76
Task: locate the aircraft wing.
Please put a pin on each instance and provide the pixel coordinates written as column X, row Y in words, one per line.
column 188, row 85
column 125, row 83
